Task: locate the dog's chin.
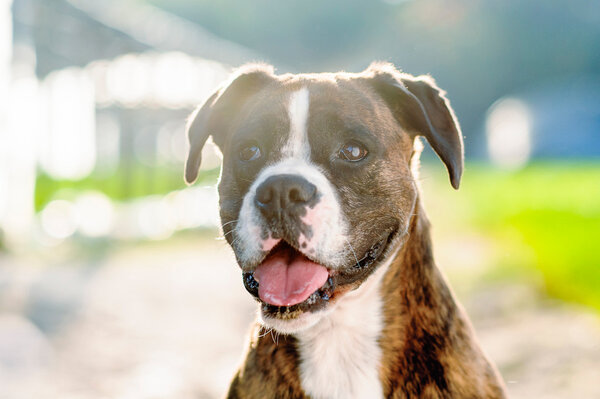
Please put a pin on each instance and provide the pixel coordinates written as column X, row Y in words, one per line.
column 300, row 322
column 289, row 318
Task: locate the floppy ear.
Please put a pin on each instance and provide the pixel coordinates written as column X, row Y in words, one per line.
column 214, row 116
column 422, row 108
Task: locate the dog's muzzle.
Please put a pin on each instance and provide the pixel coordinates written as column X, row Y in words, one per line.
column 305, row 260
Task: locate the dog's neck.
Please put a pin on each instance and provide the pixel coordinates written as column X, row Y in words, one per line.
column 418, row 315
column 401, row 331
column 356, row 347
column 340, row 356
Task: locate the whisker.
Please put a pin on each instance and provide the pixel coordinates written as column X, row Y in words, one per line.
column 266, row 332
column 229, row 232
column 231, row 221
column 352, row 249
column 235, row 240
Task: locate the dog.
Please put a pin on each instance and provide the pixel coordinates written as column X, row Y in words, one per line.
column 319, row 202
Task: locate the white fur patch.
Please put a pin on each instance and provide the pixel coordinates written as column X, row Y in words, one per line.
column 340, row 355
column 297, row 145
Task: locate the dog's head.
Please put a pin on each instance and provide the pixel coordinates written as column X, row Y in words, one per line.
column 316, row 189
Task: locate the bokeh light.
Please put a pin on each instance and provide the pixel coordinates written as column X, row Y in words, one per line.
column 59, row 219
column 508, row 129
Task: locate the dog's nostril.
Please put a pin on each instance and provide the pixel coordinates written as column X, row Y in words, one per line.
column 303, row 192
column 264, row 195
column 296, row 196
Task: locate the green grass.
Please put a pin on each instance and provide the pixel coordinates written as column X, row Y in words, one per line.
column 545, row 217
column 128, row 183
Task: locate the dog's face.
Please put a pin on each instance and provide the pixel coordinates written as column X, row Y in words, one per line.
column 316, row 188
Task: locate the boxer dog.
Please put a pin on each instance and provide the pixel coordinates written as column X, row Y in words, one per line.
column 319, row 201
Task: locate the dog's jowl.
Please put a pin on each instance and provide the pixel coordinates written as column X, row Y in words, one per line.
column 320, row 205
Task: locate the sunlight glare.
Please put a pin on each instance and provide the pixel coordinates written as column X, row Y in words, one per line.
column 71, row 149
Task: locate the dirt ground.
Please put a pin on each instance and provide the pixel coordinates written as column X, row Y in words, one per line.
column 169, row 321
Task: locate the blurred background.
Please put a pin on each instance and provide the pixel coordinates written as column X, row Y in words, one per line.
column 113, row 280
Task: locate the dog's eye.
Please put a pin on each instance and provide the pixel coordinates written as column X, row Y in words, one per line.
column 250, row 152
column 352, row 152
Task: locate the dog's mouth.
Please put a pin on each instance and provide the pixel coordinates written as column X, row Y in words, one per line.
column 288, row 283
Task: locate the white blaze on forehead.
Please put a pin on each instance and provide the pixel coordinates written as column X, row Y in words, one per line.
column 297, row 145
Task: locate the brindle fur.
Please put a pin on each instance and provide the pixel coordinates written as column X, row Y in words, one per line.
column 429, row 349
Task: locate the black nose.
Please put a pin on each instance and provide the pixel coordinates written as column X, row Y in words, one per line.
column 284, row 193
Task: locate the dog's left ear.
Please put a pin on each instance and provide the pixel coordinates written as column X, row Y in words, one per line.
column 422, row 108
column 214, row 117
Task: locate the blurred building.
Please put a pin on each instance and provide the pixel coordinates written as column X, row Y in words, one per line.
column 95, row 87
column 553, row 121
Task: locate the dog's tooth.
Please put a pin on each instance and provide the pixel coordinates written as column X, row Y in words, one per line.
column 329, row 283
column 312, row 299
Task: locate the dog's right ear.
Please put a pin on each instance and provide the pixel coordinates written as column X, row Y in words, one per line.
column 423, row 109
column 213, row 117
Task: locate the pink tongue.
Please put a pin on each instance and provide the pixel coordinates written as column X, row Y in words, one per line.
column 284, row 284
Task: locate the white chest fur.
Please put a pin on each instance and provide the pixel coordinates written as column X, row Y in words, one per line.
column 340, row 356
